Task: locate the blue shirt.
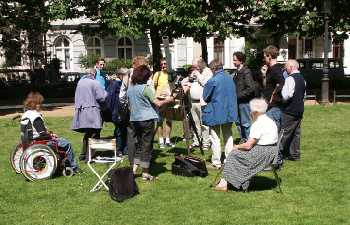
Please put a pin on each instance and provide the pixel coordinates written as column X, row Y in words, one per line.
column 101, row 78
column 220, row 95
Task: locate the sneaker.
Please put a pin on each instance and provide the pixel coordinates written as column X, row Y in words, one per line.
column 216, row 166
column 206, row 148
column 170, row 145
column 161, row 145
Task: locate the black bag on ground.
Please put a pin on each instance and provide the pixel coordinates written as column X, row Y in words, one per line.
column 121, row 184
column 189, row 166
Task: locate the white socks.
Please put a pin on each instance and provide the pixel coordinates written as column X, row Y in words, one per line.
column 167, row 140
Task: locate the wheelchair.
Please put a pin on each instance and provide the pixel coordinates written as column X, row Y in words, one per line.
column 40, row 159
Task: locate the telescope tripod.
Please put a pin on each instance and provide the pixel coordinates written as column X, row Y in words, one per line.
column 188, row 123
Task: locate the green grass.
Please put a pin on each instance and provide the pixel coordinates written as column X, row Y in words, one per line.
column 316, row 190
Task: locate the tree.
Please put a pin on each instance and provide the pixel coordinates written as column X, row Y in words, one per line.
column 305, row 17
column 192, row 18
column 23, row 16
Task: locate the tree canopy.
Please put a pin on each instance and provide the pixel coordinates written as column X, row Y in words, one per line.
column 305, row 17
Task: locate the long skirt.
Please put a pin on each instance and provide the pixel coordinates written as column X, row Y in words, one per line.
column 241, row 166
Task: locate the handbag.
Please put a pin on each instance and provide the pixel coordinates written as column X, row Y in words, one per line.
column 189, row 166
column 121, row 184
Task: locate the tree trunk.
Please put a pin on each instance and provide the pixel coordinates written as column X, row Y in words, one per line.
column 156, row 52
column 204, row 48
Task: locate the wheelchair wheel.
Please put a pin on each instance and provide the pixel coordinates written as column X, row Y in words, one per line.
column 15, row 157
column 68, row 172
column 38, row 162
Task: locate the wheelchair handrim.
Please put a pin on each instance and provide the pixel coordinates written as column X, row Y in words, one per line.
column 38, row 163
column 16, row 157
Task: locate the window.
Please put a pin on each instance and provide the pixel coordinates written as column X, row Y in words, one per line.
column 308, row 50
column 93, row 46
column 219, row 49
column 337, row 50
column 124, row 48
column 13, row 53
column 62, row 49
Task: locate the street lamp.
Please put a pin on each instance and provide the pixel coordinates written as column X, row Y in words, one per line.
column 325, row 77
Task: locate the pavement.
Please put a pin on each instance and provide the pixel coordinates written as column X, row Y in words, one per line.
column 61, row 110
column 48, row 110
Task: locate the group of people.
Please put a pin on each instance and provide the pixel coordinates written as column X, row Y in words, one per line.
column 135, row 101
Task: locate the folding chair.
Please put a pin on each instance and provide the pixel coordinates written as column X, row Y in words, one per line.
column 102, row 145
column 274, row 167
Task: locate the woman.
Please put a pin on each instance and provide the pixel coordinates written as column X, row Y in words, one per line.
column 87, row 119
column 256, row 154
column 221, row 110
column 142, row 100
column 33, row 118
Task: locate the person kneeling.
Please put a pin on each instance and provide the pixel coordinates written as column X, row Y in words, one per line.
column 255, row 154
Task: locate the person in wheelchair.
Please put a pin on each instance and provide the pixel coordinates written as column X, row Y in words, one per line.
column 33, row 128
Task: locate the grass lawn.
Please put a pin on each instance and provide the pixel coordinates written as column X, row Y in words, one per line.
column 316, row 190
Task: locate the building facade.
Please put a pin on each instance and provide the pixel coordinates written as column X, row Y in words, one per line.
column 66, row 42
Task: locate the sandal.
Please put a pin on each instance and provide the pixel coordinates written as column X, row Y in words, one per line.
column 148, row 177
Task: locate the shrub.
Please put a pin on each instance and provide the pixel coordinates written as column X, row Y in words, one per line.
column 88, row 61
column 113, row 65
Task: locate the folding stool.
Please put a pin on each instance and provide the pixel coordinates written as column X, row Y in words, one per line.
column 100, row 145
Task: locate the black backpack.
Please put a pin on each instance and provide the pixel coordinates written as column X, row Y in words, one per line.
column 121, row 184
column 189, row 166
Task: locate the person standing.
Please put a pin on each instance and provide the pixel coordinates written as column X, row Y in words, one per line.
column 142, row 101
column 273, row 80
column 221, row 110
column 293, row 93
column 117, row 116
column 246, row 91
column 199, row 78
column 87, row 119
column 162, row 88
column 100, row 75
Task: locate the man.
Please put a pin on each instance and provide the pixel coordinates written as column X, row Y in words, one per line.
column 293, row 93
column 100, row 75
column 199, row 77
column 246, row 90
column 162, row 88
column 272, row 77
column 221, row 110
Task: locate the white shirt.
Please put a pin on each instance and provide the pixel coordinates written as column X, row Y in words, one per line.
column 264, row 130
column 289, row 87
column 31, row 115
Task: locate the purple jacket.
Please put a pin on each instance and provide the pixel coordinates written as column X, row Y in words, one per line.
column 87, row 112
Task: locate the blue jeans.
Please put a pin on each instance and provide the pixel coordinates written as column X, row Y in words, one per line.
column 67, row 147
column 244, row 120
column 275, row 114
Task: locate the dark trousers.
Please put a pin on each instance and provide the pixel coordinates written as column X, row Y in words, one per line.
column 120, row 134
column 290, row 142
column 89, row 133
column 140, row 142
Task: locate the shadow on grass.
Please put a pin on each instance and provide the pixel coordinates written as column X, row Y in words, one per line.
column 158, row 167
column 262, row 183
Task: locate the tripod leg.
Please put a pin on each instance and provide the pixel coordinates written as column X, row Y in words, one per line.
column 187, row 135
column 193, row 126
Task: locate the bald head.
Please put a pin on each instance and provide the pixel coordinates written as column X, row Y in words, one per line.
column 292, row 66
